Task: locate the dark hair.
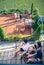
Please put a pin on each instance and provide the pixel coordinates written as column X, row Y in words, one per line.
column 35, row 46
column 25, row 41
column 39, row 44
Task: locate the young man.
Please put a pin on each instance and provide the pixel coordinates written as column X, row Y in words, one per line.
column 23, row 48
column 39, row 52
column 30, row 57
column 36, row 57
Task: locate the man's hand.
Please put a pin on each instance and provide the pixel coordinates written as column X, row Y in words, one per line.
column 22, row 54
column 29, row 56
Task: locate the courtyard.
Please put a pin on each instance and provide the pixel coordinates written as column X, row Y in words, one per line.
column 14, row 26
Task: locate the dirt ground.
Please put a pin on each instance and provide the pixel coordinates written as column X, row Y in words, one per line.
column 13, row 26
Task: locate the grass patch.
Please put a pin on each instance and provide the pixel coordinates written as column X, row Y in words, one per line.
column 22, row 4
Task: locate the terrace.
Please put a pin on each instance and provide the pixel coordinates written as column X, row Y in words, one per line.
column 12, row 25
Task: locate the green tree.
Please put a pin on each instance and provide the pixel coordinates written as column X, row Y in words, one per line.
column 35, row 14
column 32, row 8
column 2, row 34
column 35, row 17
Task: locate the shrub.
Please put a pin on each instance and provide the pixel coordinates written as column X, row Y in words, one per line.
column 4, row 12
column 43, row 26
column 14, row 37
column 35, row 14
column 24, row 11
column 19, row 36
column 0, row 11
column 11, row 11
column 2, row 34
column 18, row 11
column 11, row 38
column 35, row 26
column 36, row 34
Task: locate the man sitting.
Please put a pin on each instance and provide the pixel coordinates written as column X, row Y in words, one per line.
column 23, row 48
column 35, row 57
column 30, row 56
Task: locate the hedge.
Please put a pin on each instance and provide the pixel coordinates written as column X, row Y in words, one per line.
column 11, row 11
column 2, row 34
column 15, row 37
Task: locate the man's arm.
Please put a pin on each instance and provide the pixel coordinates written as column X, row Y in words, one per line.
column 18, row 48
column 39, row 48
column 31, row 55
column 22, row 54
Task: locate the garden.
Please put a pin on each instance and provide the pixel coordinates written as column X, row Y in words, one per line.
column 36, row 26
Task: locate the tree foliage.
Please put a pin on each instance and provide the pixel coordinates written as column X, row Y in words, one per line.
column 35, row 17
column 32, row 8
column 2, row 34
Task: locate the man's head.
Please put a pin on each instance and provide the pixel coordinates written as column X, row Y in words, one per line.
column 39, row 44
column 24, row 41
column 31, row 48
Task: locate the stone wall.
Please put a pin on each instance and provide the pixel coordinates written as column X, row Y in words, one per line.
column 7, row 54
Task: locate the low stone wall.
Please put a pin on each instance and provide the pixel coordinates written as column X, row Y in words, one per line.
column 7, row 55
